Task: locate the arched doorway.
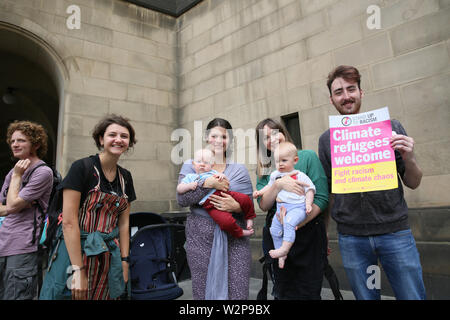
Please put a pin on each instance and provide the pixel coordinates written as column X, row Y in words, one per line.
column 30, row 89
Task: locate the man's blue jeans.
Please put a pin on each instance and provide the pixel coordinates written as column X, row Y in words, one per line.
column 398, row 256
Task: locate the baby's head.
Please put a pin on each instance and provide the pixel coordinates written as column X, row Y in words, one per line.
column 203, row 160
column 286, row 156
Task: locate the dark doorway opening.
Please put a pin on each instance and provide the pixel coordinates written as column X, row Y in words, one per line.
column 26, row 93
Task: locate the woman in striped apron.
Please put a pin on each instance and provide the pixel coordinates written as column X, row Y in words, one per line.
column 90, row 260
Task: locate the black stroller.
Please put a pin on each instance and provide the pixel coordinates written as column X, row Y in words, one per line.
column 152, row 258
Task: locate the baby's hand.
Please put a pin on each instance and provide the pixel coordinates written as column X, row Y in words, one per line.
column 250, row 224
column 308, row 208
column 249, row 231
column 193, row 185
column 256, row 194
column 219, row 176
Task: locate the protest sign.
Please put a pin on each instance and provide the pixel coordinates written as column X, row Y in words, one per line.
column 361, row 156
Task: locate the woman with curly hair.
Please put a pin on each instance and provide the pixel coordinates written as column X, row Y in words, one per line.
column 26, row 188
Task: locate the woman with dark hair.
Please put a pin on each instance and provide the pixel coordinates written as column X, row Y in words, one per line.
column 27, row 188
column 94, row 238
column 303, row 271
column 220, row 265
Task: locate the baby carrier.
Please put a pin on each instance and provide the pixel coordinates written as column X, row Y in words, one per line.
column 152, row 258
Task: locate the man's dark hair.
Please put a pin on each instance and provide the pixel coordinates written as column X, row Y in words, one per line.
column 349, row 73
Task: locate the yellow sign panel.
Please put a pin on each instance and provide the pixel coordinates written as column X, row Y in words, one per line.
column 372, row 177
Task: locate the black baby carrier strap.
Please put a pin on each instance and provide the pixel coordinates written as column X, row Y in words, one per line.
column 333, row 281
column 266, row 259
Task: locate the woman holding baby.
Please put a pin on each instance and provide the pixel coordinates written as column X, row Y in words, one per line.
column 219, row 263
column 302, row 274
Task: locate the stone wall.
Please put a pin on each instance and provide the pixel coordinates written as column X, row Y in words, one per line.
column 245, row 60
column 248, row 60
column 121, row 60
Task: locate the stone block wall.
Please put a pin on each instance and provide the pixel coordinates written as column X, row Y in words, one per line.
column 251, row 59
column 122, row 60
column 245, row 60
column 248, row 60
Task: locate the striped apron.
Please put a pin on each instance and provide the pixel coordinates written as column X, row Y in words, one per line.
column 99, row 214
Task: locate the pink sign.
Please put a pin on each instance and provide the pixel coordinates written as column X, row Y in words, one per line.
column 361, row 156
column 364, row 144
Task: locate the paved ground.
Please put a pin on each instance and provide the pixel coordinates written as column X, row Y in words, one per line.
column 255, row 286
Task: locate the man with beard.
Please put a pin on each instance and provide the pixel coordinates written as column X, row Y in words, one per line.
column 373, row 226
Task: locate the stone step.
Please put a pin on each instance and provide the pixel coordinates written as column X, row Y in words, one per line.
column 255, row 286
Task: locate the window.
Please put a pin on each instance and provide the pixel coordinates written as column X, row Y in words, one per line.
column 292, row 124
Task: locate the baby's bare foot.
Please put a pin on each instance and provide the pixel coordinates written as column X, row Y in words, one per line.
column 281, row 261
column 278, row 253
column 247, row 233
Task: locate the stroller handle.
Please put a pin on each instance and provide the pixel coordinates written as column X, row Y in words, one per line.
column 161, row 225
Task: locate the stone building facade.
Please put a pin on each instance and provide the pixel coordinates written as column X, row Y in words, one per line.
column 243, row 60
